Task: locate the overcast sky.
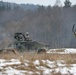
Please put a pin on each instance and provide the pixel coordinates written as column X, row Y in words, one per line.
column 41, row 2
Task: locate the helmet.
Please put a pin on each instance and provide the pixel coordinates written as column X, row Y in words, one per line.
column 27, row 33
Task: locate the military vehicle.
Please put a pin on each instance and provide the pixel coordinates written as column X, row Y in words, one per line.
column 23, row 43
column 73, row 29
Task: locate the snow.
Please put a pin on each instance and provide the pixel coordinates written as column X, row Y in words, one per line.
column 11, row 71
column 2, row 60
column 63, row 50
column 57, row 66
column 11, row 62
column 70, row 50
column 59, row 63
column 26, row 64
column 38, row 73
column 73, row 65
column 47, row 72
column 64, row 70
column 44, row 61
column 41, row 67
column 36, row 62
column 50, row 64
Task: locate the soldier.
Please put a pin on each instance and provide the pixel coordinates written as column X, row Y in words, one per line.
column 27, row 36
column 28, row 43
column 19, row 36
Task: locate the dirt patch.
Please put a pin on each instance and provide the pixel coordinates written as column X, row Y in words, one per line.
column 9, row 53
column 41, row 51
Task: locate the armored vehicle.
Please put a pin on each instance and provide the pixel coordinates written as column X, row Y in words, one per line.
column 23, row 43
column 73, row 29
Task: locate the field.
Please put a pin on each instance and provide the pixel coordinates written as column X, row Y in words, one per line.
column 54, row 62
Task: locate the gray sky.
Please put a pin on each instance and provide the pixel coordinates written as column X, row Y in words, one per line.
column 41, row 2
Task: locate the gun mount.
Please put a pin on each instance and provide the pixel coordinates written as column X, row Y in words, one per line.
column 23, row 43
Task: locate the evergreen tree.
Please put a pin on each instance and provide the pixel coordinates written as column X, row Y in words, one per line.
column 16, row 7
column 8, row 6
column 41, row 9
column 2, row 7
column 67, row 3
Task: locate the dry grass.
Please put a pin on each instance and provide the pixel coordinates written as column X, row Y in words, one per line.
column 69, row 58
column 56, row 73
column 33, row 56
column 49, row 56
column 59, row 50
column 9, row 55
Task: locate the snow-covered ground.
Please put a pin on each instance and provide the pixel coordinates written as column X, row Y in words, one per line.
column 39, row 67
column 62, row 50
column 10, row 67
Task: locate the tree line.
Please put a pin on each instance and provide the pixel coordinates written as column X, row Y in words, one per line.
column 51, row 25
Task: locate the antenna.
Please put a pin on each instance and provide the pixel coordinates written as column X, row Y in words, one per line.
column 58, row 3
